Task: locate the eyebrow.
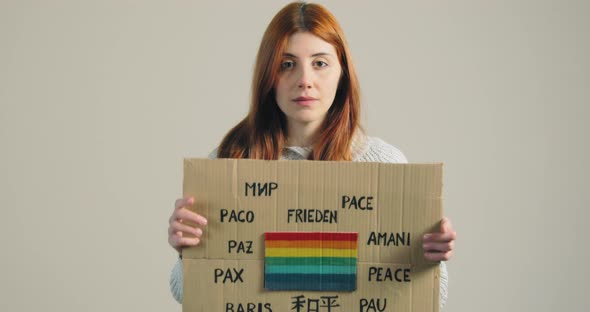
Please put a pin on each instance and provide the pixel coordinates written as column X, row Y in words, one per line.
column 313, row 55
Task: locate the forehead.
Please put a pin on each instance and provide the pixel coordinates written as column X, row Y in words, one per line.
column 305, row 44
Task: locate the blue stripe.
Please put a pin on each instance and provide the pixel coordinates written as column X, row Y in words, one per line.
column 315, row 282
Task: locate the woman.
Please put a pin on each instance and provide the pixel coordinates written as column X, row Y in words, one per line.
column 305, row 105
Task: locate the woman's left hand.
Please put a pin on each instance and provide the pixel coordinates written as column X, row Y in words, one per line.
column 439, row 246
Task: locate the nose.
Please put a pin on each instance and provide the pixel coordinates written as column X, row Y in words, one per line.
column 305, row 78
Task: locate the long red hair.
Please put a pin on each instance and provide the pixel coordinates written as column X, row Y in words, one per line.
column 262, row 133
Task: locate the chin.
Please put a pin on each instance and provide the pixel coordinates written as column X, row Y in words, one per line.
column 305, row 119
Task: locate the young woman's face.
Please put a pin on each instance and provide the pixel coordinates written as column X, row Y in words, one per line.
column 307, row 83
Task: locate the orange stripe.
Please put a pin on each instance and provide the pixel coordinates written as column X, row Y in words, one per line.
column 310, row 244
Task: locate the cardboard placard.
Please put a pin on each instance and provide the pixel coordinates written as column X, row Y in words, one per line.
column 390, row 206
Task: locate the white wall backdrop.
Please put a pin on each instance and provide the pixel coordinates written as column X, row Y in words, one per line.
column 101, row 100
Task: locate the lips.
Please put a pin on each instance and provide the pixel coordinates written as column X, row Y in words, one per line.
column 305, row 100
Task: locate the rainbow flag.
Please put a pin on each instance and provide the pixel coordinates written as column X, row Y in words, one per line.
column 310, row 261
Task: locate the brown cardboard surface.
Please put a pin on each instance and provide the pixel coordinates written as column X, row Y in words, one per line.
column 405, row 203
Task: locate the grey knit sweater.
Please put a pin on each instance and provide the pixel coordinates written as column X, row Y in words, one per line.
column 367, row 149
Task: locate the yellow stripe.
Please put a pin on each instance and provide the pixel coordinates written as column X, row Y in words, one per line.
column 310, row 252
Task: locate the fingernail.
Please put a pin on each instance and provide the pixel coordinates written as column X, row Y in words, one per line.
column 426, row 236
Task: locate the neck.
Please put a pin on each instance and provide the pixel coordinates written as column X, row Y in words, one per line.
column 302, row 134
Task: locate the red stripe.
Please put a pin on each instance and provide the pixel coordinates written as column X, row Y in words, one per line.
column 311, row 236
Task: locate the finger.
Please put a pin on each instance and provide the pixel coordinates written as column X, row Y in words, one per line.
column 187, row 215
column 184, row 202
column 182, row 241
column 446, row 226
column 180, row 227
column 438, row 247
column 180, row 203
column 439, row 237
column 438, row 256
column 188, row 241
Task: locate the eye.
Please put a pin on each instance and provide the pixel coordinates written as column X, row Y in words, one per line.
column 320, row 64
column 286, row 65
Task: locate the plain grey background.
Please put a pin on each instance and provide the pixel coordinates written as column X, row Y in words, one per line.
column 101, row 100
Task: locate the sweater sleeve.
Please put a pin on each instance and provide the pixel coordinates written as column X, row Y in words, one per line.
column 378, row 150
column 176, row 281
column 444, row 284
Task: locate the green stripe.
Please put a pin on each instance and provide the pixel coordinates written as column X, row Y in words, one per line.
column 310, row 261
column 309, row 269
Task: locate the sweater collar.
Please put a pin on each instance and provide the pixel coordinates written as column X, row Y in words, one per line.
column 357, row 148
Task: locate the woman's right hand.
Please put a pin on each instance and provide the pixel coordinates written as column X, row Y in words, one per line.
column 178, row 227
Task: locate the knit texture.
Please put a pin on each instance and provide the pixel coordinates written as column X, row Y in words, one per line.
column 364, row 149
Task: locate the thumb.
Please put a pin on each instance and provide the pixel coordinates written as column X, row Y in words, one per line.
column 445, row 225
